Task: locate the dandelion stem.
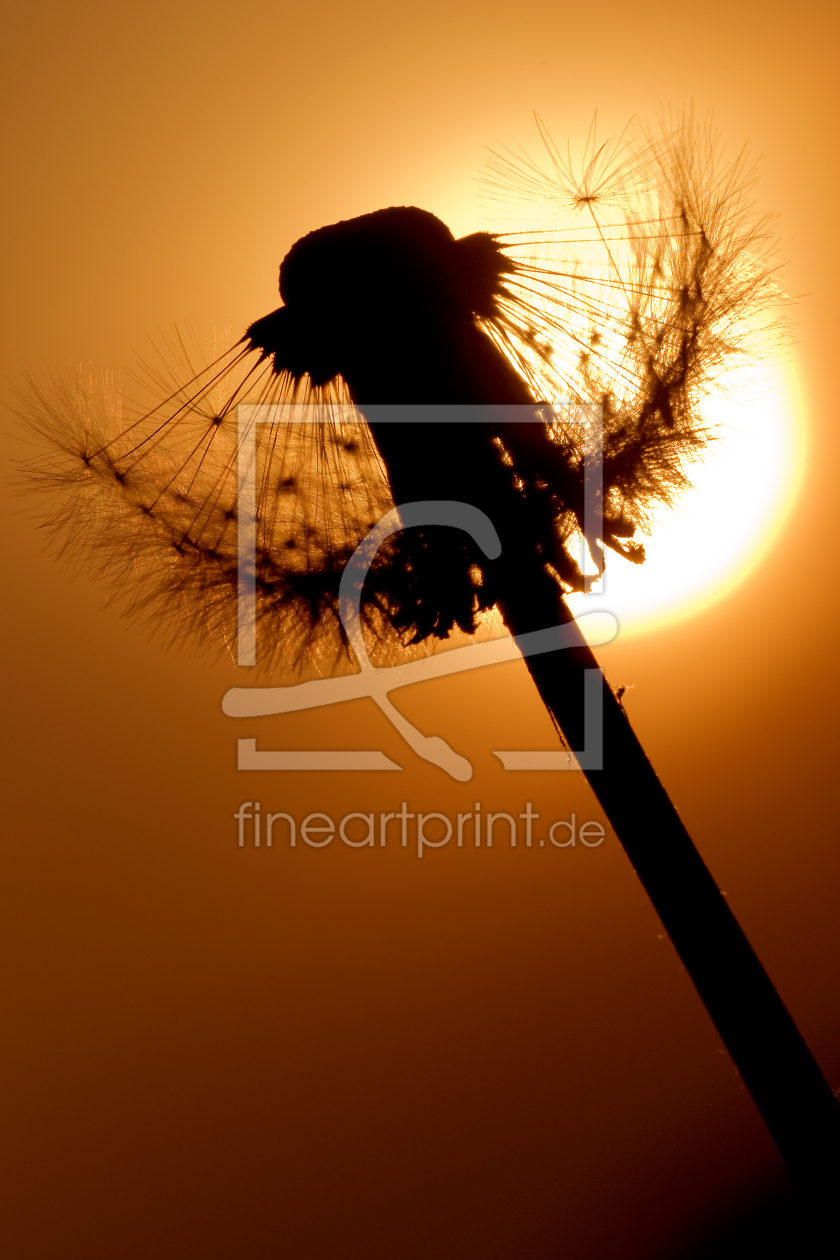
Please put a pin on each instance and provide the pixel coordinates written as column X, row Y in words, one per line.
column 776, row 1065
column 797, row 1105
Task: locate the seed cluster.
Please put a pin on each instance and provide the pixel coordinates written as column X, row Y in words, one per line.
column 647, row 279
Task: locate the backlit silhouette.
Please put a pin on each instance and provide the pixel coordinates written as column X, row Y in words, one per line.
column 387, row 310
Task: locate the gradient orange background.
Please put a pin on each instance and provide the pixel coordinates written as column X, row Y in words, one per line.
column 310, row 1054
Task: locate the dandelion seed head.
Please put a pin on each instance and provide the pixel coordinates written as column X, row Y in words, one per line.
column 637, row 308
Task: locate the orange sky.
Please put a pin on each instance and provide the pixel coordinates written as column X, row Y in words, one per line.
column 312, row 1053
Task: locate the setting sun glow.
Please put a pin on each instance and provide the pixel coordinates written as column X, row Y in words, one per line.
column 741, row 493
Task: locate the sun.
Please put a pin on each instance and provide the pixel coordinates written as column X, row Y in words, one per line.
column 652, row 272
column 720, row 529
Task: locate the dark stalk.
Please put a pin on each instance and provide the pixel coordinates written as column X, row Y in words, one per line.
column 774, row 1061
column 776, row 1065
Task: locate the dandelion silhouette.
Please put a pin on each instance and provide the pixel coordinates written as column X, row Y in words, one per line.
column 636, row 309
